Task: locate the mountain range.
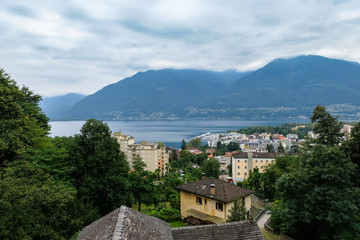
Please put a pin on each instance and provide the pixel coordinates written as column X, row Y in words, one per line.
column 284, row 88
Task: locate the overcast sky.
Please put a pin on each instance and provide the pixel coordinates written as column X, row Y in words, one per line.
column 56, row 47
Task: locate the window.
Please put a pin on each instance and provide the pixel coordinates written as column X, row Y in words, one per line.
column 267, row 160
column 245, row 167
column 261, row 167
column 238, row 160
column 238, row 167
column 261, row 160
column 245, row 174
column 255, row 160
column 238, row 173
column 205, row 201
column 245, row 160
column 219, row 206
column 199, row 200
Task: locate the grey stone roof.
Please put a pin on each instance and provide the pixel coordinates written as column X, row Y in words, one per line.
column 224, row 191
column 243, row 230
column 126, row 223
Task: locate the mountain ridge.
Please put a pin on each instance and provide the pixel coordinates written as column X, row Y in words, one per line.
column 281, row 89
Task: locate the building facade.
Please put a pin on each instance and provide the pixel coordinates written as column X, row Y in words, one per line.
column 154, row 155
column 244, row 162
column 210, row 200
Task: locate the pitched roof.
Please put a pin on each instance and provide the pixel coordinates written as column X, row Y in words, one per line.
column 243, row 230
column 224, row 191
column 126, row 223
column 254, row 155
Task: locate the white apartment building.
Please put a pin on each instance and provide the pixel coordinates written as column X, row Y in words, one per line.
column 154, row 155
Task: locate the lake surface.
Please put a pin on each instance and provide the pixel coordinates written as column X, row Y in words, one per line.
column 169, row 132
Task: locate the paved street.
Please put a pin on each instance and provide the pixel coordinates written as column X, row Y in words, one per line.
column 261, row 221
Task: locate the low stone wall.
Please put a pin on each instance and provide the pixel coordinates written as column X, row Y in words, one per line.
column 258, row 201
column 258, row 216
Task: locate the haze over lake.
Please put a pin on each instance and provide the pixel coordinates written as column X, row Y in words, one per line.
column 169, row 132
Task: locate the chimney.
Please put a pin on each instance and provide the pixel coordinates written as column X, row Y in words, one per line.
column 230, row 180
column 212, row 189
column 203, row 175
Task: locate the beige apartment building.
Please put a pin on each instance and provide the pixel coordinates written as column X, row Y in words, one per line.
column 154, row 155
column 244, row 162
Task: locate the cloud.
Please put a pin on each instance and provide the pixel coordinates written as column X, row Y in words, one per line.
column 56, row 47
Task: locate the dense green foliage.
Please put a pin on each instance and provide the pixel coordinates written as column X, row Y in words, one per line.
column 166, row 214
column 37, row 197
column 100, row 169
column 238, row 211
column 142, row 187
column 352, row 150
column 283, row 164
column 33, row 205
column 22, row 124
column 327, row 127
column 317, row 197
column 283, row 129
column 194, row 143
column 316, row 192
column 212, row 168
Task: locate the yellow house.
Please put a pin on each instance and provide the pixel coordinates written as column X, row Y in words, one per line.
column 209, row 200
column 244, row 162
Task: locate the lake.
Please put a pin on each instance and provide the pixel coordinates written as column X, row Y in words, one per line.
column 169, row 132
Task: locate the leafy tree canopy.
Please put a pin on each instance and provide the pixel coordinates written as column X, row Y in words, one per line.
column 22, row 123
column 100, row 169
column 212, row 168
column 327, row 127
column 317, row 197
column 194, row 143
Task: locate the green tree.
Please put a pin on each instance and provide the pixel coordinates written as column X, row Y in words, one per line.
column 273, row 172
column 255, row 182
column 173, row 156
column 317, row 197
column 33, row 205
column 233, row 146
column 212, row 168
column 352, row 150
column 142, row 184
column 281, row 148
column 194, row 143
column 22, row 123
column 201, row 158
column 238, row 211
column 100, row 169
column 327, row 127
column 183, row 145
column 270, row 148
column 229, row 169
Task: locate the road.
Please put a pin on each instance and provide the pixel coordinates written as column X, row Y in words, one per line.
column 261, row 221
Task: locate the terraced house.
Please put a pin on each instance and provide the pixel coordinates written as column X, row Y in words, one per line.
column 209, row 200
column 154, row 155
